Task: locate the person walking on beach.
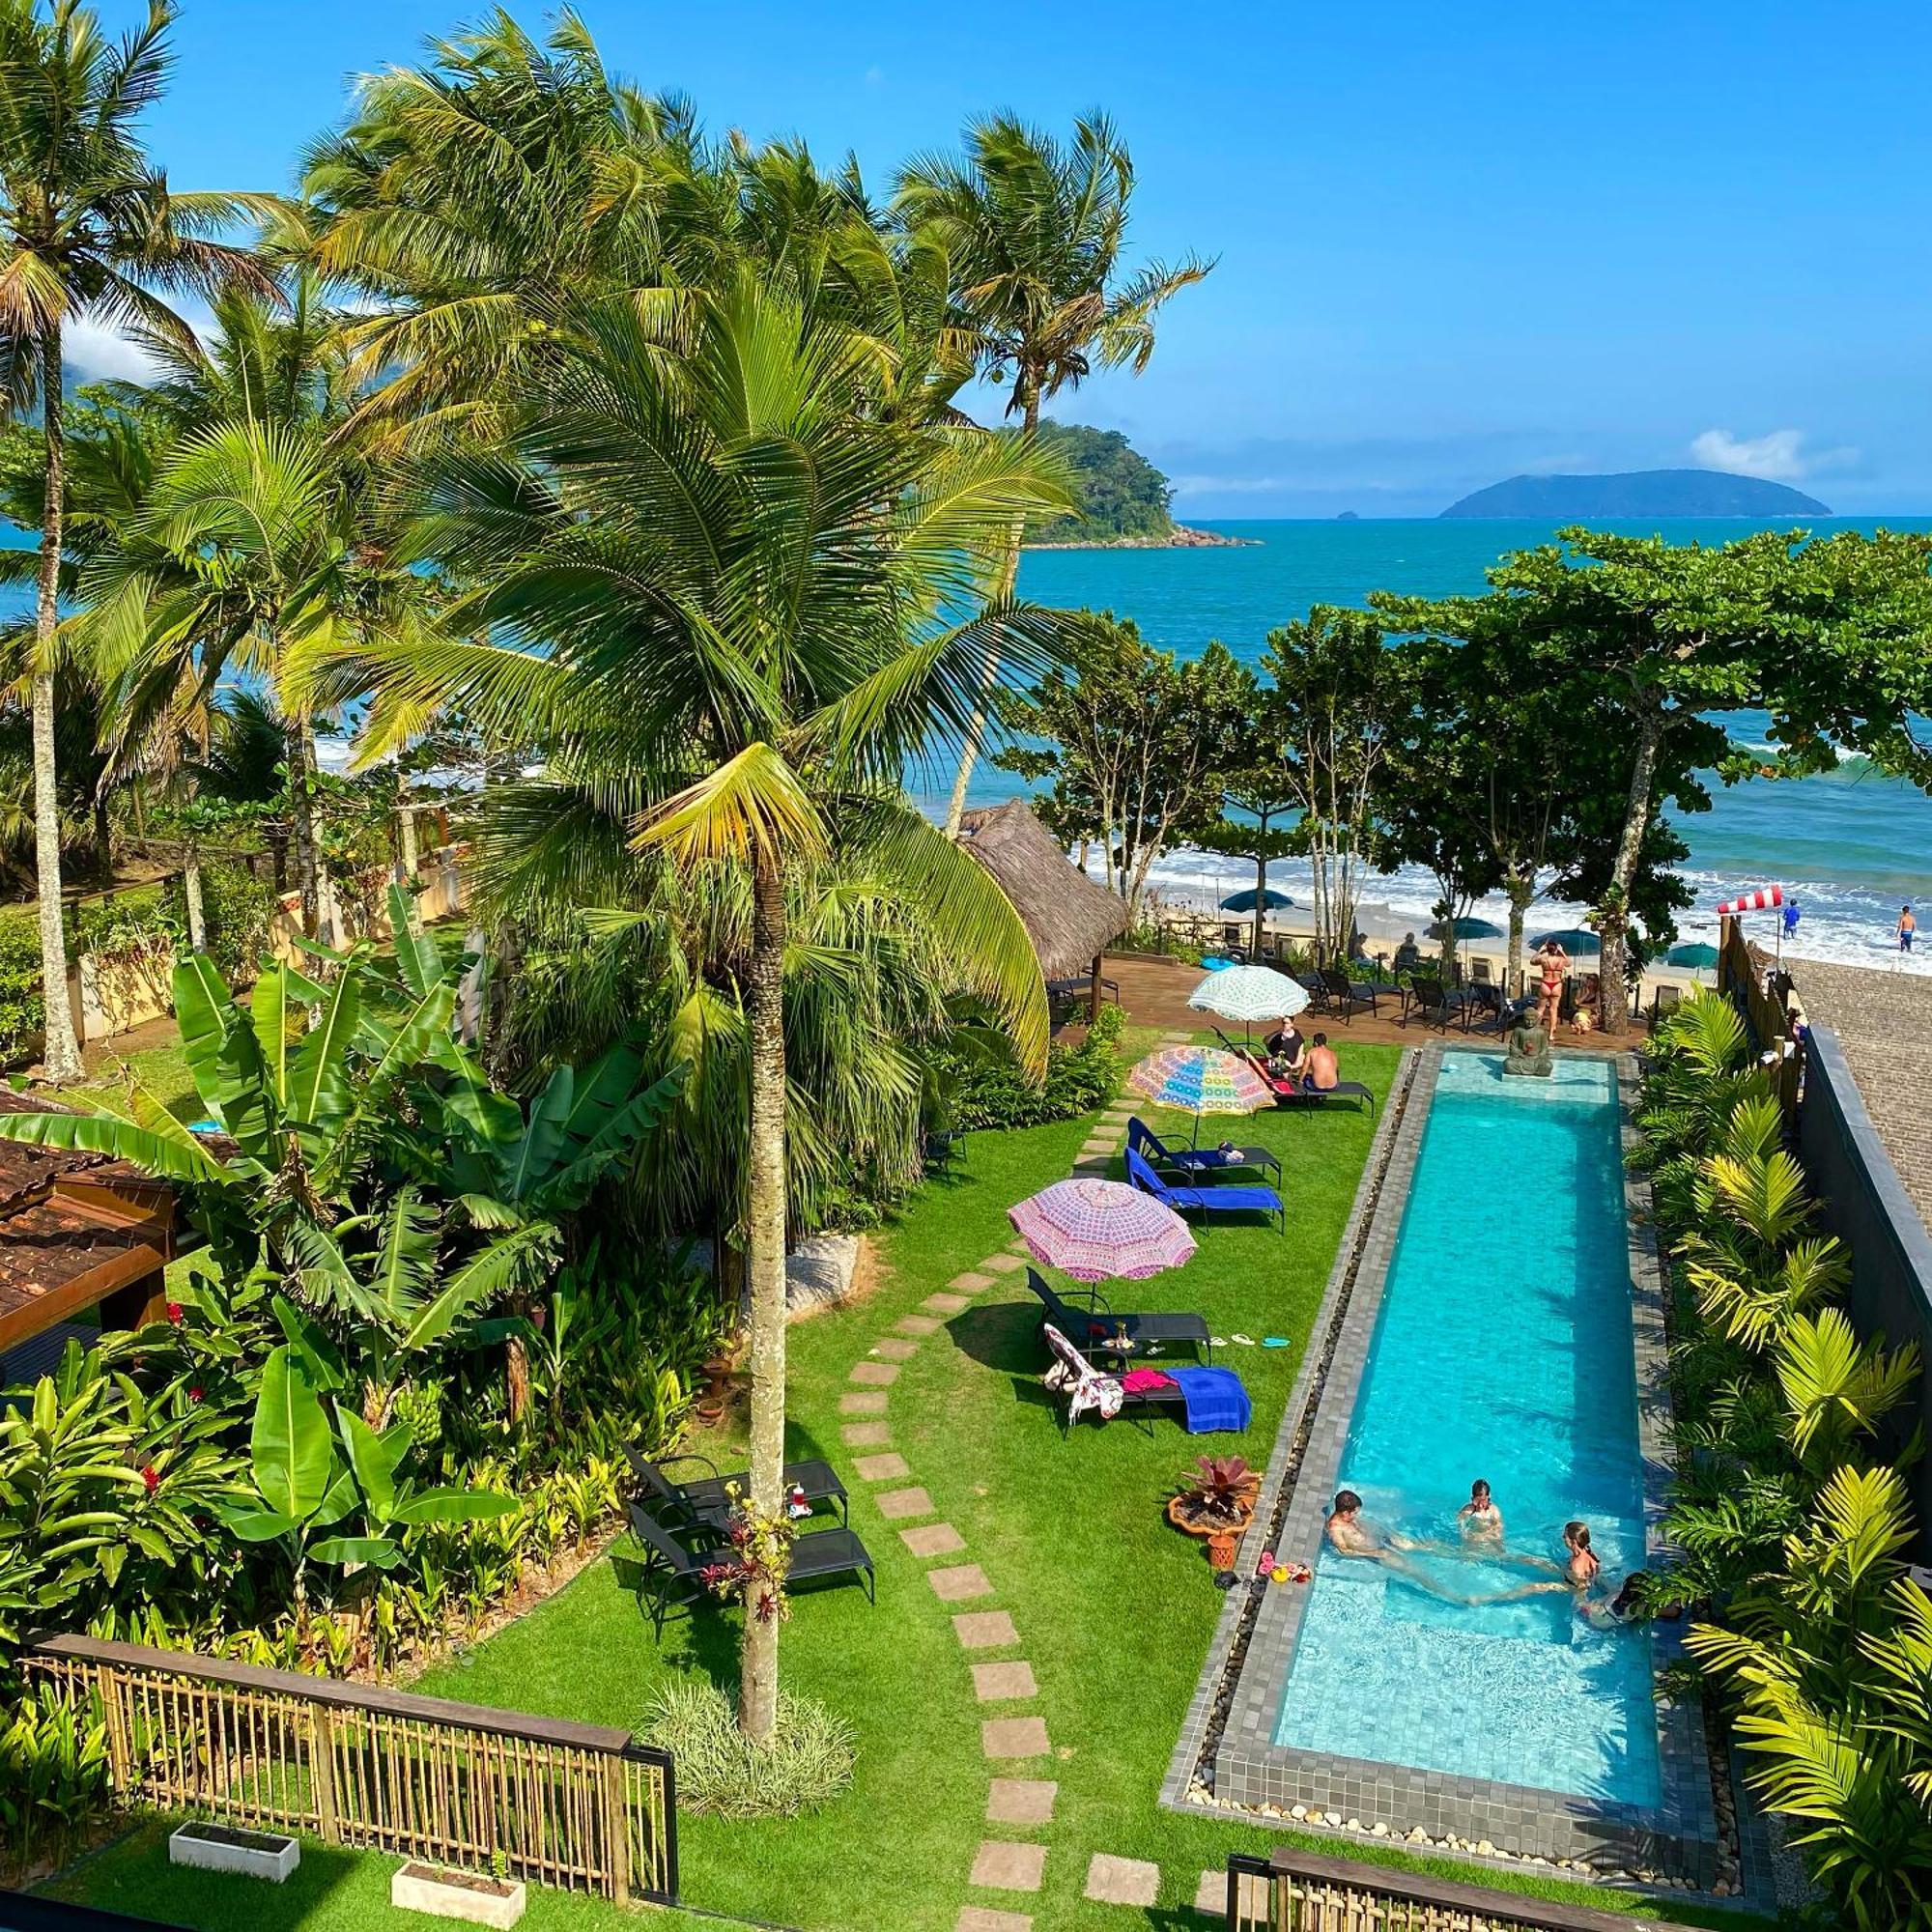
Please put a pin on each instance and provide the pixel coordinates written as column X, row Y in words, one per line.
column 1906, row 926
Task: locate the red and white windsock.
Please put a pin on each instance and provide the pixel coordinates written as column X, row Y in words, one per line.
column 1761, row 900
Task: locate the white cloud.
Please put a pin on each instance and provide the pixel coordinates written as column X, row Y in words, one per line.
column 1779, row 455
column 99, row 354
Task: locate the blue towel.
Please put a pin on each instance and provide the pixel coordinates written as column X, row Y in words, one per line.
column 1214, row 1397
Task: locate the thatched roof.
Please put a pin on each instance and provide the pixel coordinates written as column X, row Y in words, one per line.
column 1071, row 920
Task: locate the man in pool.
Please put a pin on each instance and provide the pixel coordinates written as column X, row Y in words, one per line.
column 1349, row 1536
column 1481, row 1521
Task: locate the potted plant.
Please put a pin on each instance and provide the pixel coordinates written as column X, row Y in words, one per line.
column 1217, row 1500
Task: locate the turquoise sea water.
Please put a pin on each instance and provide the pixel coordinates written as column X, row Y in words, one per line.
column 1852, row 845
column 1502, row 1351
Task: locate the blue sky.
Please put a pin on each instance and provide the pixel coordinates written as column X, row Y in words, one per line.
column 1454, row 242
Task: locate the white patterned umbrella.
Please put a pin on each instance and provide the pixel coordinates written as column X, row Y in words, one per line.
column 1249, row 993
column 1093, row 1229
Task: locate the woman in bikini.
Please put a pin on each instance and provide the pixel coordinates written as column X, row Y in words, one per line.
column 1579, row 1575
column 1481, row 1521
column 1553, row 963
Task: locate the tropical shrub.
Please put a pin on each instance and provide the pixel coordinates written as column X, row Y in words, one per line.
column 805, row 1763
column 21, row 1010
column 235, row 908
column 1790, row 1528
column 984, row 1088
column 130, row 925
column 53, row 1775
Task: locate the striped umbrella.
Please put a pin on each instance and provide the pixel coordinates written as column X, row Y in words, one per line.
column 1249, row 993
column 1201, row 1080
column 1094, row 1229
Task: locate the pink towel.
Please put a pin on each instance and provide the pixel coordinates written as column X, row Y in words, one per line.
column 1137, row 1381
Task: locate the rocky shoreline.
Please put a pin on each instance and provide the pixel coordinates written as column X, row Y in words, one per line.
column 1182, row 537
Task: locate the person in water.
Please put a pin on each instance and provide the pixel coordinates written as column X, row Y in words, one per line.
column 1578, row 1575
column 1349, row 1536
column 1481, row 1521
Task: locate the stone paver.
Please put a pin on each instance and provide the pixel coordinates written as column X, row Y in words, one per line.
column 984, row 1630
column 1112, row 1881
column 918, row 1325
column 947, row 1304
column 1210, row 1898
column 1014, row 1737
column 895, row 1348
column 1002, row 1263
column 866, row 1434
column 869, row 1401
column 882, row 1468
column 895, row 1505
column 960, row 1584
column 932, row 1539
column 970, row 1283
column 1021, row 1801
column 996, row 1683
column 1000, row 1865
column 880, row 1375
column 980, row 1918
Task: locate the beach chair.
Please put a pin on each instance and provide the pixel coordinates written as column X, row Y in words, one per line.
column 1205, row 1200
column 1084, row 1314
column 1199, row 1163
column 707, row 1500
column 1431, row 1000
column 1664, row 1003
column 1291, row 1092
column 1091, row 1391
column 1317, row 994
column 676, row 1562
column 1508, row 1014
column 1345, row 996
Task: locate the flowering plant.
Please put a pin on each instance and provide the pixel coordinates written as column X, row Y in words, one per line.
column 757, row 1558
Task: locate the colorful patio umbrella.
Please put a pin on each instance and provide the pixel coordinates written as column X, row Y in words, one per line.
column 1201, row 1080
column 1094, row 1229
column 1244, row 900
column 1249, row 993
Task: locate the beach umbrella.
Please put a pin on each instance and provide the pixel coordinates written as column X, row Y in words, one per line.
column 1094, row 1229
column 1468, row 928
column 1199, row 1080
column 1249, row 993
column 1692, row 953
column 1576, row 939
column 1244, row 901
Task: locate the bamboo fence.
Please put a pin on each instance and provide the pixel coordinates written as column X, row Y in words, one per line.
column 575, row 1805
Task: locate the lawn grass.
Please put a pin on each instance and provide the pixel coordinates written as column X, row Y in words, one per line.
column 1114, row 1609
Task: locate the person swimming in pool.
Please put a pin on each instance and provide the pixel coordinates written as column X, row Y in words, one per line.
column 1578, row 1575
column 1481, row 1521
column 1349, row 1536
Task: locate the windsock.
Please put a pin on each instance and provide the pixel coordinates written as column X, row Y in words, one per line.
column 1761, row 900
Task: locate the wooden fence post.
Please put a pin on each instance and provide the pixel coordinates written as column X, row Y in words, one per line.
column 322, row 1773
column 617, row 1824
column 114, row 1716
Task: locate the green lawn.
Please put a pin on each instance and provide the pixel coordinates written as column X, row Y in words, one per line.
column 1114, row 1609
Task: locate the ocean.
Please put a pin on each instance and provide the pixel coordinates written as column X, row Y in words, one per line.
column 1849, row 847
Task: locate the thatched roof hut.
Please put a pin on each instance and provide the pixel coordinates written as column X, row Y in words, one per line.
column 1071, row 920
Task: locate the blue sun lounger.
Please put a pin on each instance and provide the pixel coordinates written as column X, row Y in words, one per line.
column 1216, row 1200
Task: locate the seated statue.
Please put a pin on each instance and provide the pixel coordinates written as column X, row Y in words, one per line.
column 1530, row 1048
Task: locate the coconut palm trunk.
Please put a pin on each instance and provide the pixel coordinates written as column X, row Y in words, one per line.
column 301, row 820
column 61, row 1055
column 764, row 1000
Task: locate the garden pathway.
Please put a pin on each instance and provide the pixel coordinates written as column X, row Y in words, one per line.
column 1010, row 1865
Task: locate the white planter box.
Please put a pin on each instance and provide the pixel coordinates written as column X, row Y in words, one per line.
column 452, row 1894
column 208, row 1847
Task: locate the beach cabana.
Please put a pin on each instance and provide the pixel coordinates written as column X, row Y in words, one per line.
column 1071, row 920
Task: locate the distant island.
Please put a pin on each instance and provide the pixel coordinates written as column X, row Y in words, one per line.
column 1123, row 498
column 1637, row 492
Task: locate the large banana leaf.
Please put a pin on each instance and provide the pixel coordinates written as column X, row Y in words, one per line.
column 170, row 1156
column 569, row 1187
column 320, row 1094
column 418, row 957
column 290, row 1443
column 454, row 1506
column 406, row 1260
column 224, row 1055
column 411, row 1045
column 375, row 1459
column 502, row 1265
column 274, row 1007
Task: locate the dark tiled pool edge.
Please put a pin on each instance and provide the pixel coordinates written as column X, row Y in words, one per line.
column 1227, row 1757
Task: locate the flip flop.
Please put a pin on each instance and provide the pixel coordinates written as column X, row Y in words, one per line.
column 1246, row 1340
column 1217, row 1340
column 1274, row 1341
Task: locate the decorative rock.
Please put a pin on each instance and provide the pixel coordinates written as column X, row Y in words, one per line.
column 984, row 1630
column 1021, row 1801
column 205, row 1846
column 1112, row 1881
column 1000, row 1865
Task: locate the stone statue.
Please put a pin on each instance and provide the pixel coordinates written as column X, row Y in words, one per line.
column 1530, row 1048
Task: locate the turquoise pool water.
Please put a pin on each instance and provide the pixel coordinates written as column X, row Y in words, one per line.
column 1503, row 1351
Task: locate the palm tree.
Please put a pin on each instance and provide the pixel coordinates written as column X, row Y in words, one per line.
column 1034, row 229
column 89, row 229
column 714, row 581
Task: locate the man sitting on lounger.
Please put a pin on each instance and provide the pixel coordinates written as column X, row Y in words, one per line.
column 1324, row 1069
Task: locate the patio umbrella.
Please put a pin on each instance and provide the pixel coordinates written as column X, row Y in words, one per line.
column 1577, row 939
column 1092, row 1230
column 1244, row 901
column 1249, row 993
column 1470, row 928
column 1694, row 952
column 1199, row 1080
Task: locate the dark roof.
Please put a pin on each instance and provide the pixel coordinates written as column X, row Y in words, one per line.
column 1069, row 919
column 74, row 1228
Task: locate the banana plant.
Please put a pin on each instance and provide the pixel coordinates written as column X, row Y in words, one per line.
column 308, row 1477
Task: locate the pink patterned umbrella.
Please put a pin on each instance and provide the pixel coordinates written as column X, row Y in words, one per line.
column 1094, row 1229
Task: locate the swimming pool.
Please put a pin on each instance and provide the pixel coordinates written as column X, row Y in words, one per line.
column 1502, row 1349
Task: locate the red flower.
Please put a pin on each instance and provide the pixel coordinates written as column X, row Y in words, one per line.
column 148, row 1476
column 175, row 1313
column 194, row 1395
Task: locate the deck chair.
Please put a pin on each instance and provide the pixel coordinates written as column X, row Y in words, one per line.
column 1434, row 1002
column 1091, row 1392
column 1664, row 1003
column 1252, row 1200
column 706, row 1499
column 1083, row 1315
column 675, row 1563
column 1345, row 996
column 1292, row 1093
column 1198, row 1163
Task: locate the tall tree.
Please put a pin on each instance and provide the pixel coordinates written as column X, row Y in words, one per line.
column 1830, row 637
column 715, row 584
column 1034, row 228
column 89, row 230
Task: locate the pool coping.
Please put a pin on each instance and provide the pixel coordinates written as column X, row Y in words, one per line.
column 1227, row 1757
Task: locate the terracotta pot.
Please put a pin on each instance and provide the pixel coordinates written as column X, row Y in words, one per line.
column 1221, row 1534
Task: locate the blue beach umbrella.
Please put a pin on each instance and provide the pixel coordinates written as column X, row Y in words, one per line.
column 1694, row 952
column 1579, row 939
column 1470, row 928
column 1244, row 901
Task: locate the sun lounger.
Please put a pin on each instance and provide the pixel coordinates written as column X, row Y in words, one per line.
column 1345, row 996
column 1199, row 1163
column 1292, row 1093
column 706, row 1500
column 1085, row 1317
column 675, row 1561
column 1205, row 1200
column 1429, row 1000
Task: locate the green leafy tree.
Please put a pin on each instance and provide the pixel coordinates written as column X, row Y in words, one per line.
column 1117, row 491
column 1034, row 229
column 1132, row 741
column 90, row 230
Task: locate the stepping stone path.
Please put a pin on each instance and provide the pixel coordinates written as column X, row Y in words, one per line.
column 1000, row 1865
